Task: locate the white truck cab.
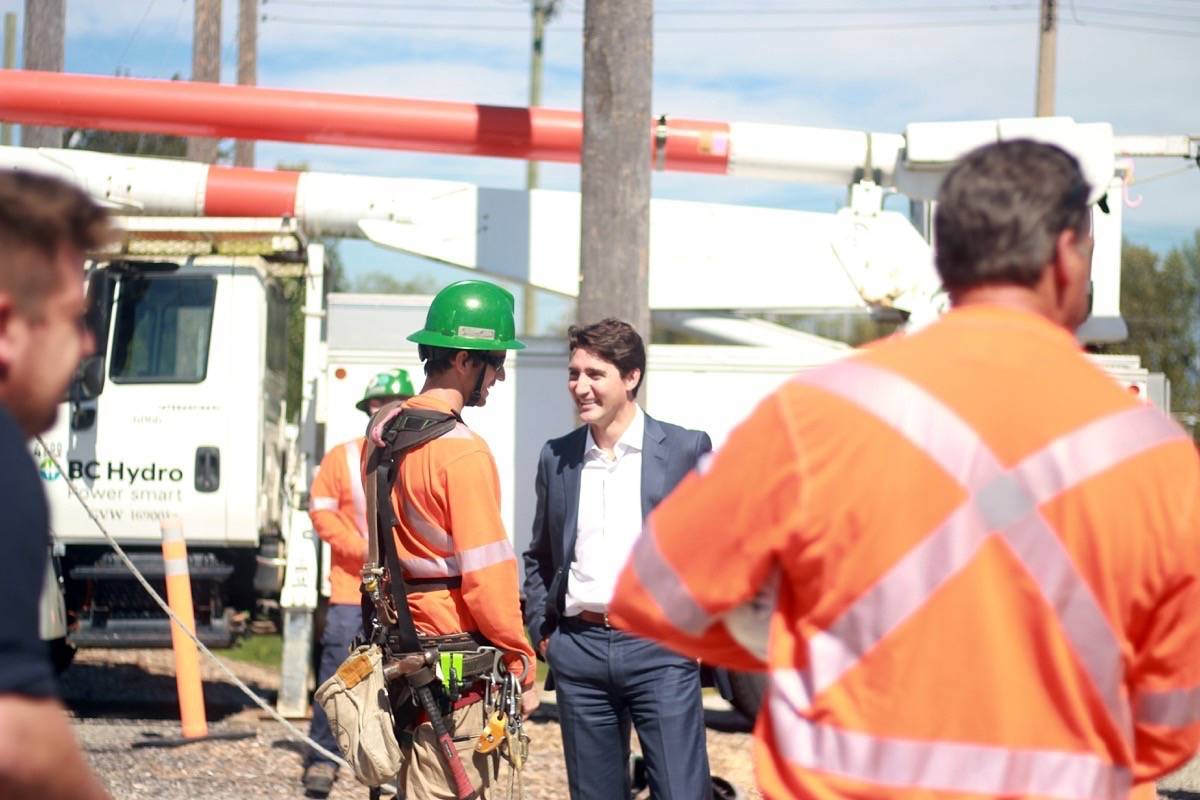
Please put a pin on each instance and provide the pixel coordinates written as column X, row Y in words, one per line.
column 179, row 414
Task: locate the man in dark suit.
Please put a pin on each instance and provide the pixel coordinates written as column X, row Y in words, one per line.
column 595, row 486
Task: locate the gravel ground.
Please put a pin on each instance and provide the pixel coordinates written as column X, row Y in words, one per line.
column 124, row 698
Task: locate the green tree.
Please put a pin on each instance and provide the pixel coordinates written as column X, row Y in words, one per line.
column 383, row 283
column 126, row 143
column 1160, row 301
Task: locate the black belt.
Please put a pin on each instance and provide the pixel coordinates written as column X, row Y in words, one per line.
column 596, row 618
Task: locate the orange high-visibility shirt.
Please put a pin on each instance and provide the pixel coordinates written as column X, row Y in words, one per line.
column 338, row 509
column 447, row 504
column 968, row 559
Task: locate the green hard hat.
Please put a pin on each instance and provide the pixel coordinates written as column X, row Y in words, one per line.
column 470, row 315
column 386, row 386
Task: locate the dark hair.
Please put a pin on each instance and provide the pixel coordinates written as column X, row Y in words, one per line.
column 1000, row 211
column 614, row 341
column 39, row 216
column 438, row 359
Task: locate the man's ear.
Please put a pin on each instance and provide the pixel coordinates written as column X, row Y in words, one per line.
column 1070, row 262
column 631, row 380
column 462, row 360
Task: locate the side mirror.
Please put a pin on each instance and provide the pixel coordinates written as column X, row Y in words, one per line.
column 88, row 382
column 89, row 378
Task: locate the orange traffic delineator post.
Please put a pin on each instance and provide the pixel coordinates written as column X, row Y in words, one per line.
column 187, row 657
column 192, row 716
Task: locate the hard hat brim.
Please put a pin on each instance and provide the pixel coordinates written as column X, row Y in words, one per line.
column 361, row 405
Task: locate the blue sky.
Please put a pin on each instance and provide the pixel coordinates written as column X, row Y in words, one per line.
column 861, row 64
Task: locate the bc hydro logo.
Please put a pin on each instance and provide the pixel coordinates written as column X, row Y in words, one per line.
column 47, row 470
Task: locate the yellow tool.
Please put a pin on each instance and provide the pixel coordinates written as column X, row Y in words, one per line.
column 493, row 733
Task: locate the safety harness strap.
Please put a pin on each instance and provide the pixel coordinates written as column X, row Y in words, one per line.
column 385, row 589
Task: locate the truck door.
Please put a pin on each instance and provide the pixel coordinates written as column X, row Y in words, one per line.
column 154, row 447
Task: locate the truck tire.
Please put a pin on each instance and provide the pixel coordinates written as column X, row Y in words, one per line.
column 746, row 690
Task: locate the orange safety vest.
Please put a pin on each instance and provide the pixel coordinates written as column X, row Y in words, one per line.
column 447, row 505
column 338, row 510
column 969, row 560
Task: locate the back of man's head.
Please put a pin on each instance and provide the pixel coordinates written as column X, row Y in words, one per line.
column 39, row 217
column 1000, row 211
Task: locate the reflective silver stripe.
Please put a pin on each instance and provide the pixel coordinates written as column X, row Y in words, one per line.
column 663, row 584
column 750, row 624
column 175, row 566
column 322, row 504
column 1004, row 502
column 936, row 765
column 917, row 415
column 486, row 555
column 433, row 567
column 426, row 530
column 1172, row 708
column 354, row 477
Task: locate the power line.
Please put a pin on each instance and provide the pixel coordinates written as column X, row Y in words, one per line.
column 851, row 11
column 1133, row 28
column 830, row 28
column 1125, row 12
column 136, row 29
column 1168, row 174
column 384, row 5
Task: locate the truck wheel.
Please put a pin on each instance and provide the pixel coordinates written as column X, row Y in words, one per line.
column 746, row 691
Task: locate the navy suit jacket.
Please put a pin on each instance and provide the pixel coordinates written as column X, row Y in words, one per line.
column 669, row 453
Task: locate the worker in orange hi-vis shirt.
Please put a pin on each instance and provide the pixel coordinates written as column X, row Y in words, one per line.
column 967, row 559
column 458, row 563
column 337, row 507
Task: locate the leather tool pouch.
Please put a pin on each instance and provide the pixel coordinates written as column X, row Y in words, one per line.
column 360, row 715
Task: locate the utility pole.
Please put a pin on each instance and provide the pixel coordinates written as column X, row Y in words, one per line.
column 43, row 47
column 10, row 61
column 614, row 252
column 1047, row 44
column 206, row 66
column 247, row 72
column 543, row 12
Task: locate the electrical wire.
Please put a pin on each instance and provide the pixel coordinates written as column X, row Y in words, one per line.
column 136, row 29
column 369, row 6
column 383, row 5
column 1142, row 13
column 1168, row 174
column 831, row 28
column 175, row 620
column 1132, row 28
column 849, row 11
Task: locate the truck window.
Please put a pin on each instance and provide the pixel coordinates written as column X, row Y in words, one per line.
column 162, row 329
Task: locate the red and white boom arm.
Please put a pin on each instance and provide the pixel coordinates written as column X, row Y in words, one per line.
column 871, row 260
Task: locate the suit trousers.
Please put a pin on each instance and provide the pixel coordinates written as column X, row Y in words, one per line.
column 605, row 681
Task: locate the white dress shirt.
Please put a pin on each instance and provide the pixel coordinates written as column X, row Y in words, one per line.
column 610, row 518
